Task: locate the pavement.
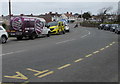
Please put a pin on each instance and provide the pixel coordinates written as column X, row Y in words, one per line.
column 82, row 55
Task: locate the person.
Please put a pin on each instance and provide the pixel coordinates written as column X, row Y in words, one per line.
column 76, row 25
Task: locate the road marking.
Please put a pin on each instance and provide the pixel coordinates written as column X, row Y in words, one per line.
column 83, row 36
column 86, row 34
column 95, row 52
column 12, row 52
column 65, row 41
column 78, row 60
column 88, row 55
column 38, row 72
column 102, row 49
column 18, row 76
column 67, row 65
column 111, row 44
column 107, row 46
column 51, row 72
column 89, row 32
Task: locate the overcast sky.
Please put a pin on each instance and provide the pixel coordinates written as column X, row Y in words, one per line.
column 61, row 0
column 38, row 7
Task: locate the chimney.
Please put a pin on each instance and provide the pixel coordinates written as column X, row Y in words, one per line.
column 67, row 12
column 31, row 14
column 2, row 15
column 71, row 13
column 21, row 14
column 50, row 13
column 56, row 13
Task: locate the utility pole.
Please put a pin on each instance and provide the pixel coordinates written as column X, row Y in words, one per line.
column 81, row 16
column 9, row 9
column 81, row 13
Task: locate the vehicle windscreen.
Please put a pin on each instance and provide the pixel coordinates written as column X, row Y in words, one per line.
column 52, row 24
column 28, row 24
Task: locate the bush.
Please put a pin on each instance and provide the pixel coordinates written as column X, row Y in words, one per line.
column 89, row 24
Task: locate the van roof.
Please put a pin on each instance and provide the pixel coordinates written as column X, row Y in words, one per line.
column 41, row 19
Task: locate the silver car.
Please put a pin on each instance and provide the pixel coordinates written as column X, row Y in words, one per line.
column 117, row 30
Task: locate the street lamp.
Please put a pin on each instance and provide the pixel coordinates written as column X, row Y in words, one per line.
column 9, row 9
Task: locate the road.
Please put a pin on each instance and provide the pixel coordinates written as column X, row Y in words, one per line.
column 83, row 55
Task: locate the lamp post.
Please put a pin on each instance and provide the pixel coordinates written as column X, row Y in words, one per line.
column 9, row 9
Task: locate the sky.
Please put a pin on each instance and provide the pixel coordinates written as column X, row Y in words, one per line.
column 61, row 0
column 61, row 6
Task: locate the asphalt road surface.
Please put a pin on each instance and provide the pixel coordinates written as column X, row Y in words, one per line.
column 82, row 55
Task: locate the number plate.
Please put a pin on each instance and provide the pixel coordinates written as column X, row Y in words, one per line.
column 18, row 33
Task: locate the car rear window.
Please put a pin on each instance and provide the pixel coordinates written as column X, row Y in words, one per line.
column 1, row 28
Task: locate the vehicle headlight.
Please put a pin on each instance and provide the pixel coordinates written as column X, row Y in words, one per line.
column 20, row 30
column 113, row 27
column 27, row 28
column 26, row 31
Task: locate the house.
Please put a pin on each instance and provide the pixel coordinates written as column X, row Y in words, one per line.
column 68, row 16
column 47, row 16
column 51, row 16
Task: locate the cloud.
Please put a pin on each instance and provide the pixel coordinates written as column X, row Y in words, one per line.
column 61, row 0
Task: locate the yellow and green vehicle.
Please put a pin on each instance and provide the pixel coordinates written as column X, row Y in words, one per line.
column 56, row 27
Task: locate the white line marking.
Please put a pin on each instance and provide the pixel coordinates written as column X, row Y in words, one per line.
column 86, row 34
column 83, row 36
column 65, row 41
column 12, row 52
column 73, row 39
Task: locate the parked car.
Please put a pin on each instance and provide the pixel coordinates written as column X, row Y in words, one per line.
column 30, row 27
column 3, row 35
column 101, row 26
column 107, row 26
column 117, row 29
column 113, row 27
column 56, row 27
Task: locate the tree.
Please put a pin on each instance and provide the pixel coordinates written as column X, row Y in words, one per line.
column 103, row 13
column 86, row 15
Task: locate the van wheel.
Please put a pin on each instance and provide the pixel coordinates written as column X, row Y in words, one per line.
column 59, row 33
column 33, row 36
column 19, row 37
column 64, row 32
column 3, row 39
column 48, row 35
column 117, row 32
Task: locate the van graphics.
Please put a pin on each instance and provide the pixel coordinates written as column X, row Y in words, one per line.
column 39, row 26
column 17, row 23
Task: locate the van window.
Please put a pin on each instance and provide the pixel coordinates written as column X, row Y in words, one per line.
column 29, row 24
